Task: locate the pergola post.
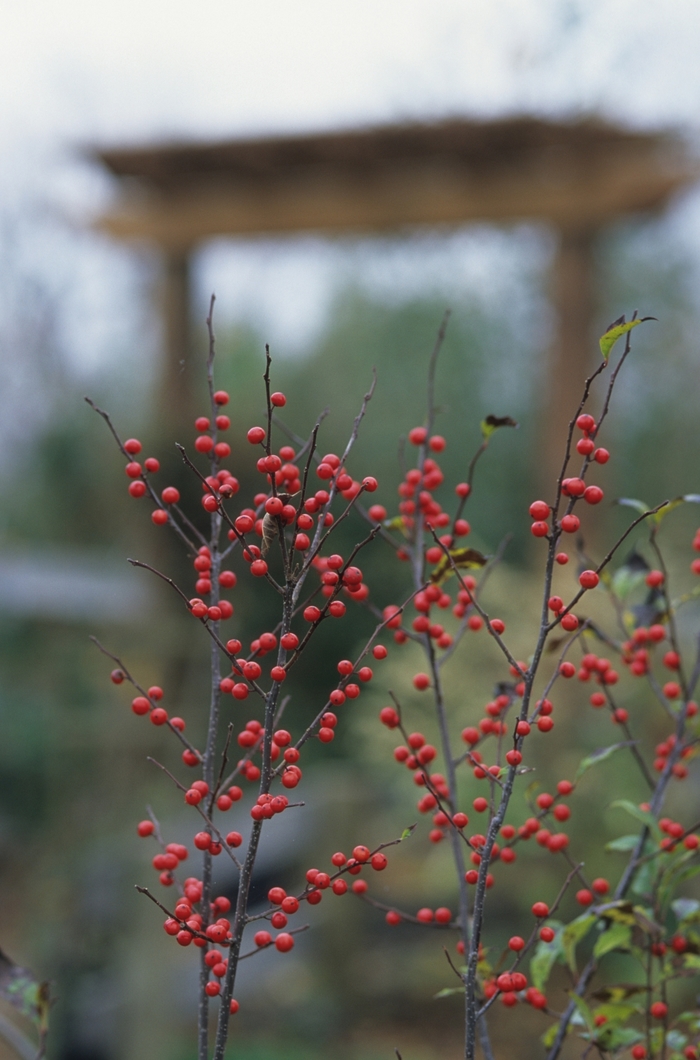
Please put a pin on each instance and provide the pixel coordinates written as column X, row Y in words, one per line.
column 572, row 352
column 178, row 397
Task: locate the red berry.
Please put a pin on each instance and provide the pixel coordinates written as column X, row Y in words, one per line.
column 659, row 1010
column 540, row 910
column 417, row 435
column 573, row 487
column 516, row 943
column 278, row 399
column 588, row 579
column 593, row 495
column 584, row 896
column 547, row 934
column 539, row 511
column 570, row 523
column 586, row 423
column 145, row 828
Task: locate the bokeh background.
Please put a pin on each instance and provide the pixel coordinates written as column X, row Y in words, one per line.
column 78, row 315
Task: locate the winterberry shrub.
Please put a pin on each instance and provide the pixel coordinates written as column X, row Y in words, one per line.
column 479, row 766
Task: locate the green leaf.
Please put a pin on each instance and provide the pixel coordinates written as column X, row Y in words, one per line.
column 630, row 574
column 584, row 1010
column 492, row 423
column 686, row 909
column 545, row 956
column 630, row 502
column 407, row 832
column 676, row 1039
column 27, row 994
column 572, row 935
column 599, row 756
column 623, row 843
column 617, row 937
column 644, row 919
column 617, row 1013
column 691, row 960
column 676, row 874
column 644, row 879
column 641, row 815
column 611, row 1038
column 625, row 580
column 616, row 331
column 549, row 1035
column 448, row 991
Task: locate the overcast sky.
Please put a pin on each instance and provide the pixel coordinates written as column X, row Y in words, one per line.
column 74, row 73
column 128, row 69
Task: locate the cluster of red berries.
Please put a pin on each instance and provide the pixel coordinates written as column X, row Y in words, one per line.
column 417, row 498
column 573, row 488
column 317, row 882
column 204, row 443
column 512, row 985
column 666, row 748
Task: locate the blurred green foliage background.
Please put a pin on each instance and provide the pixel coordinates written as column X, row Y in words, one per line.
column 74, row 779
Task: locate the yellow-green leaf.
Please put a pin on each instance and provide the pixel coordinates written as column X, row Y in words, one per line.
column 462, row 558
column 618, row 329
column 448, row 991
column 21, row 989
column 687, row 498
column 492, row 423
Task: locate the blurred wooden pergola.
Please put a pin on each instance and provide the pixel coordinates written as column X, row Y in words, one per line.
column 576, row 177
